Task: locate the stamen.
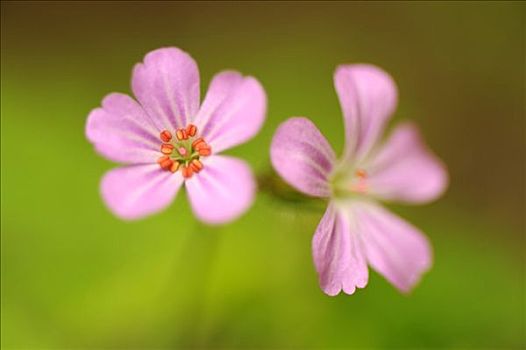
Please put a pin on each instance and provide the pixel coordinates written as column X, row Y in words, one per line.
column 196, row 165
column 201, row 145
column 361, row 185
column 166, row 164
column 361, row 173
column 174, row 167
column 165, row 136
column 197, row 142
column 187, row 171
column 205, row 151
column 162, row 159
column 181, row 134
column 167, row 148
column 191, row 130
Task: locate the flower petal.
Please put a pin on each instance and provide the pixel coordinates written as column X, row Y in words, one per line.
column 302, row 156
column 222, row 191
column 121, row 131
column 405, row 170
column 368, row 97
column 136, row 191
column 233, row 110
column 394, row 248
column 338, row 255
column 167, row 86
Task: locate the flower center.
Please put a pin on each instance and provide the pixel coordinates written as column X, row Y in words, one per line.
column 347, row 183
column 183, row 151
column 359, row 183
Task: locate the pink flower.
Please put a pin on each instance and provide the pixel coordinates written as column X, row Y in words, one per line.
column 166, row 139
column 356, row 230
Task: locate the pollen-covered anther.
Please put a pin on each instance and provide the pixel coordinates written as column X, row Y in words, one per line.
column 205, row 151
column 196, row 165
column 162, row 159
column 360, row 186
column 167, row 148
column 165, row 162
column 191, row 130
column 360, row 173
column 198, row 142
column 181, row 134
column 165, row 136
column 174, row 167
column 202, row 147
column 187, row 171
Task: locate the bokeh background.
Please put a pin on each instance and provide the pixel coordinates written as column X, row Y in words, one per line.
column 74, row 276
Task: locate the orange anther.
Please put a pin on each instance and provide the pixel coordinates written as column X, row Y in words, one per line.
column 191, row 130
column 162, row 159
column 166, row 164
column 174, row 167
column 187, row 171
column 201, row 145
column 181, row 134
column 361, row 173
column 197, row 142
column 167, row 148
column 196, row 165
column 205, row 151
column 165, row 136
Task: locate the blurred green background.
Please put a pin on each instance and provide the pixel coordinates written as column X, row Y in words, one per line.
column 74, row 276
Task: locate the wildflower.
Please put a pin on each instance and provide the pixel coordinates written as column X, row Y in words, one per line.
column 356, row 230
column 166, row 139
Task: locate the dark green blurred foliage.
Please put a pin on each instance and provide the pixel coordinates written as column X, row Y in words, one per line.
column 74, row 276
